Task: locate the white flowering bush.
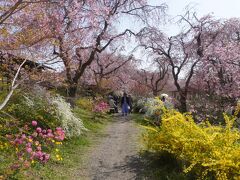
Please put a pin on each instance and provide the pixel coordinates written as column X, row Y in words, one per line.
column 140, row 105
column 154, row 108
column 72, row 125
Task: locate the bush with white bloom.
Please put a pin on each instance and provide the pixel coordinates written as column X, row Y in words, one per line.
column 72, row 125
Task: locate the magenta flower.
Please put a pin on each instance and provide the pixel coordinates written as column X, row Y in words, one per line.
column 59, row 134
column 50, row 135
column 39, row 129
column 59, row 129
column 49, row 131
column 34, row 123
column 29, row 150
column 29, row 144
column 38, row 154
column 23, row 136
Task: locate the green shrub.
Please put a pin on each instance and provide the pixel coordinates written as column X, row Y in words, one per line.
column 32, row 106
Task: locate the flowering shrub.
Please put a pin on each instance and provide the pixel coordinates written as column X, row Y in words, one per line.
column 101, row 107
column 140, row 107
column 210, row 107
column 34, row 105
column 72, row 125
column 49, row 110
column 30, row 145
column 154, row 108
column 85, row 103
column 205, row 149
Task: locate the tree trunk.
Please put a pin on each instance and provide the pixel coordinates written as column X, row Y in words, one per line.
column 155, row 93
column 183, row 103
column 72, row 90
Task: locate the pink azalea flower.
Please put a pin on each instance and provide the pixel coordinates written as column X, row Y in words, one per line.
column 34, row 123
column 29, row 150
column 39, row 129
column 50, row 135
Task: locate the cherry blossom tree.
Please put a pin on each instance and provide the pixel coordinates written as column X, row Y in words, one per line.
column 184, row 51
column 221, row 66
column 79, row 30
column 10, row 11
column 107, row 65
column 154, row 80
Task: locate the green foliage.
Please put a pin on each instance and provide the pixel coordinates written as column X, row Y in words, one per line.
column 207, row 150
column 85, row 103
column 29, row 106
column 24, row 107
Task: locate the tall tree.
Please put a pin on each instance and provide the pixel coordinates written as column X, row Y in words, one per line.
column 80, row 30
column 183, row 51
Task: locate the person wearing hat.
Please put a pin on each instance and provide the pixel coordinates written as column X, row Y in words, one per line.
column 164, row 98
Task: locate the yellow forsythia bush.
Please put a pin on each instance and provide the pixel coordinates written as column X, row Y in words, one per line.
column 85, row 103
column 209, row 150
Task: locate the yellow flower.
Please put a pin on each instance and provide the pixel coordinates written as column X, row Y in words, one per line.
column 59, row 158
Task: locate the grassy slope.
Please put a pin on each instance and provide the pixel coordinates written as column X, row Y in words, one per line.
column 72, row 151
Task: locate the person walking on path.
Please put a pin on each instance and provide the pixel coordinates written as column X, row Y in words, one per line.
column 116, row 100
column 130, row 103
column 113, row 106
column 125, row 104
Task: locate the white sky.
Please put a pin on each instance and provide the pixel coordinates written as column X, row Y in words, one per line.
column 218, row 8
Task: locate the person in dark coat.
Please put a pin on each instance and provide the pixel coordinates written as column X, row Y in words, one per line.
column 130, row 103
column 125, row 104
column 115, row 98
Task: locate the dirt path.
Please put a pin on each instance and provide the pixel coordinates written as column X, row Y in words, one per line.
column 116, row 155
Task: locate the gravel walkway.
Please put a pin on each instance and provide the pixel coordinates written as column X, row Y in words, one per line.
column 115, row 157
